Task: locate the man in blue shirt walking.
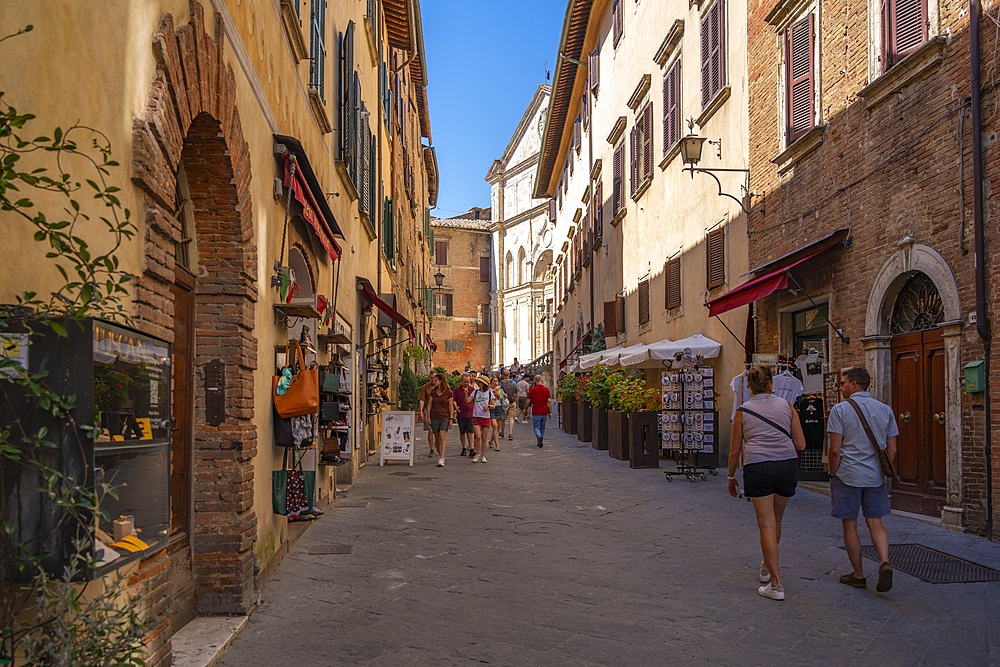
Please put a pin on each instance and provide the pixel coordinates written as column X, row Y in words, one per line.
column 856, row 481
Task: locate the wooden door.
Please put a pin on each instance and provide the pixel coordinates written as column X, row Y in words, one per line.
column 918, row 403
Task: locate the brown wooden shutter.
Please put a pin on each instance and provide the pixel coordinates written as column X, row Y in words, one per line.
column 671, row 107
column 448, row 303
column 617, row 187
column 618, row 21
column 713, row 69
column 706, row 60
column 647, row 141
column 620, row 302
column 594, row 68
column 441, row 252
column 716, row 258
column 673, row 291
column 484, row 269
column 585, row 106
column 598, row 208
column 643, row 302
column 633, row 162
column 610, row 318
column 799, row 97
column 576, row 138
column 907, row 28
column 552, row 210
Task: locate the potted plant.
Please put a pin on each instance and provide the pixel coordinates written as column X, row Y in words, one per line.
column 566, row 391
column 584, row 411
column 602, row 378
column 640, row 441
column 619, row 407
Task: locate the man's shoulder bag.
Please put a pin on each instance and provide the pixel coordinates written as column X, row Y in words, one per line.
column 884, row 464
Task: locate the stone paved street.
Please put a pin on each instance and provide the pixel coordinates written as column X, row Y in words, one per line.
column 564, row 556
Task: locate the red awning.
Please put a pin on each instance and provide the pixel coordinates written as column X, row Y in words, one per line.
column 758, row 288
column 575, row 348
column 431, row 344
column 310, row 210
column 373, row 298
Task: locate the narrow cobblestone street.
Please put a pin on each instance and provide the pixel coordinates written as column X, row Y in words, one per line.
column 563, row 556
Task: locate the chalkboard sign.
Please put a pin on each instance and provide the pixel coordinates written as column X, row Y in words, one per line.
column 397, row 437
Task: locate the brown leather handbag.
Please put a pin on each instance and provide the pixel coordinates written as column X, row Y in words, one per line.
column 302, row 395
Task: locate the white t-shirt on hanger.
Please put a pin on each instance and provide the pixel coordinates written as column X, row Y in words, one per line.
column 741, row 388
column 787, row 386
column 812, row 382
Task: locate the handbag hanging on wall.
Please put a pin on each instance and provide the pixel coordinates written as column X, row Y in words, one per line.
column 295, row 394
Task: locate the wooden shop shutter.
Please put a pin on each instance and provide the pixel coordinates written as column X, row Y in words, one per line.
column 799, row 96
column 647, row 142
column 618, row 21
column 448, row 303
column 673, row 291
column 633, row 161
column 671, row 107
column 713, row 67
column 598, row 209
column 617, row 184
column 594, row 68
column 716, row 258
column 907, row 28
column 441, row 252
column 643, row 302
column 610, row 318
column 620, row 302
column 484, row 269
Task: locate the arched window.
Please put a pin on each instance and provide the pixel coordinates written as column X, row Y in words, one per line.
column 522, row 265
column 510, row 271
column 918, row 306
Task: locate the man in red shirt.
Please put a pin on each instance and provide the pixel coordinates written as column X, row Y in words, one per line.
column 541, row 407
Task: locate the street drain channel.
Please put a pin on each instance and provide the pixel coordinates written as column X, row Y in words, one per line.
column 331, row 549
column 932, row 566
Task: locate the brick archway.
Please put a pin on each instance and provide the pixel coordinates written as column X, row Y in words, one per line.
column 191, row 117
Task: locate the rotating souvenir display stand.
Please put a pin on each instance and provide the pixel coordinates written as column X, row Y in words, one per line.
column 689, row 422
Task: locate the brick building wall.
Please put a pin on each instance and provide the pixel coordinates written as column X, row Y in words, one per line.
column 887, row 169
column 466, row 335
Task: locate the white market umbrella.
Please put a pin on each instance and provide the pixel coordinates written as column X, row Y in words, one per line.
column 590, row 361
column 654, row 355
column 618, row 358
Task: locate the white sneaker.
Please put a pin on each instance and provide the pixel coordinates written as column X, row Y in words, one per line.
column 476, row 458
column 765, row 576
column 482, row 459
column 773, row 593
column 440, row 463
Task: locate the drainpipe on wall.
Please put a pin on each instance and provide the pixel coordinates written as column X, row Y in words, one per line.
column 982, row 315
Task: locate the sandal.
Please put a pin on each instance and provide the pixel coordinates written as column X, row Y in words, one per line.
column 851, row 580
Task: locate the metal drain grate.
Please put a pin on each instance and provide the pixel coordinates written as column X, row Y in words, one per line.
column 933, row 566
column 403, row 474
column 376, row 498
column 331, row 549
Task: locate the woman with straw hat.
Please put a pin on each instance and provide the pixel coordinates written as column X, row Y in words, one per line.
column 482, row 400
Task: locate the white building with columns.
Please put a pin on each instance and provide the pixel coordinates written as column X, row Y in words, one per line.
column 522, row 235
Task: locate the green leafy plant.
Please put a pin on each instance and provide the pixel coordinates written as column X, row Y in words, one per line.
column 55, row 619
column 630, row 394
column 416, row 354
column 409, row 390
column 597, row 342
column 566, row 387
column 602, row 379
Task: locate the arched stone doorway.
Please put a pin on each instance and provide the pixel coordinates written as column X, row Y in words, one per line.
column 912, row 340
column 191, row 125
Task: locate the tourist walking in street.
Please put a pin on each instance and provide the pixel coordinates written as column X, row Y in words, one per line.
column 482, row 401
column 496, row 413
column 515, row 367
column 465, row 409
column 541, row 408
column 856, row 480
column 440, row 413
column 423, row 404
column 522, row 398
column 768, row 430
column 510, row 392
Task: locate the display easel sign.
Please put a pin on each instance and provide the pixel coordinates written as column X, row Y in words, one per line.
column 397, row 437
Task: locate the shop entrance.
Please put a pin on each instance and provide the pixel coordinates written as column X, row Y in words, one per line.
column 810, row 359
column 918, row 398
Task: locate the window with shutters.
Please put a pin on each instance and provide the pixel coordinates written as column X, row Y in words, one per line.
column 594, row 69
column 716, row 260
column 388, row 229
column 610, row 318
column 617, row 21
column 317, row 47
column 672, row 272
column 620, row 318
column 483, row 318
column 577, row 139
column 552, row 210
column 441, row 252
column 713, row 52
column 904, row 29
column 348, row 102
column 585, row 110
column 443, row 305
column 672, row 107
column 800, row 90
column 644, row 302
column 618, row 182
column 641, row 145
column 484, row 270
column 598, row 209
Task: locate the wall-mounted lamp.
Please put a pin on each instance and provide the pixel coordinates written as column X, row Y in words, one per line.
column 691, row 146
column 439, row 278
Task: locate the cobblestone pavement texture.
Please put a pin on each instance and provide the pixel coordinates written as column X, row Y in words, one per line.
column 564, row 556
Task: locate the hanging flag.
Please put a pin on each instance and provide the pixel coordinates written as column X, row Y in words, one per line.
column 325, row 311
column 289, row 286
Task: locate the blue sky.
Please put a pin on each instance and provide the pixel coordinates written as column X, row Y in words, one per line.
column 484, row 62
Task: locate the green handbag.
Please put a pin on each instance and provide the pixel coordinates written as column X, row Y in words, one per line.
column 279, row 486
column 331, row 381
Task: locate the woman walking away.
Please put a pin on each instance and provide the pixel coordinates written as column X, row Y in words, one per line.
column 768, row 429
column 482, row 401
column 441, row 411
column 496, row 413
column 464, row 408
